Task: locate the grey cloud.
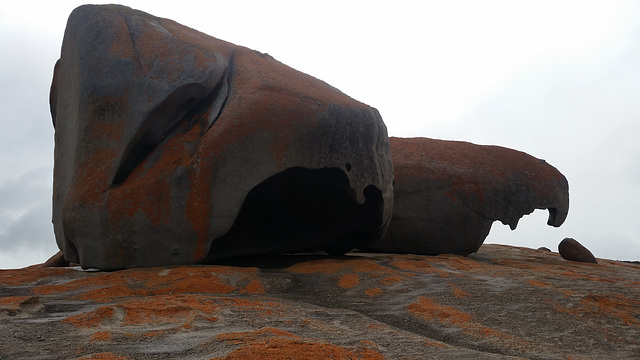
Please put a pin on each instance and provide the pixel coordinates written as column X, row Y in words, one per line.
column 25, row 211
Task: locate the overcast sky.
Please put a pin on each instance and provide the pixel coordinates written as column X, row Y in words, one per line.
column 559, row 80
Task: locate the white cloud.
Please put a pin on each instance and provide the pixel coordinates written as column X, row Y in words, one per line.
column 557, row 79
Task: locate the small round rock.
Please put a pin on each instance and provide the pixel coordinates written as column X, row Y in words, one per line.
column 571, row 249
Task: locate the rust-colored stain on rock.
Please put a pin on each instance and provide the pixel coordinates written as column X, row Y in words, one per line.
column 272, row 343
column 104, row 356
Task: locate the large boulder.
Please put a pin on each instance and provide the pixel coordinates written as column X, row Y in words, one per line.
column 173, row 147
column 449, row 193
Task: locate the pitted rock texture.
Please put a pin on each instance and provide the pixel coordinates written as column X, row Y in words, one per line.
column 571, row 249
column 502, row 302
column 173, row 147
column 449, row 193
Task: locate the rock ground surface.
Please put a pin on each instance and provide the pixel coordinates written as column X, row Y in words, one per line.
column 502, row 302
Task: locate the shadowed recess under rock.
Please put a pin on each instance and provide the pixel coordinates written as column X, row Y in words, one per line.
column 297, row 210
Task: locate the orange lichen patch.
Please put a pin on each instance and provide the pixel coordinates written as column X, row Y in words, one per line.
column 435, row 343
column 366, row 352
column 261, row 308
column 377, row 327
column 106, row 294
column 567, row 269
column 240, row 337
column 625, row 309
column 155, row 333
column 332, row 266
column 390, row 280
column 538, row 283
column 192, row 279
column 458, row 292
column 255, row 288
column 14, row 303
column 460, row 263
column 538, row 265
column 418, row 266
column 347, row 281
column 276, row 344
column 93, row 318
column 100, row 336
column 574, row 274
column 104, row 356
column 26, row 276
column 428, row 309
column 167, row 309
column 567, row 293
column 105, row 287
column 178, row 309
column 186, row 308
column 373, row 292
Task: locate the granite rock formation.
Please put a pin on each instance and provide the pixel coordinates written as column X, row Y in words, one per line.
column 173, row 147
column 571, row 249
column 500, row 303
column 449, row 193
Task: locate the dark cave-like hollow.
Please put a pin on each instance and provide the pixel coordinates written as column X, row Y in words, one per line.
column 301, row 210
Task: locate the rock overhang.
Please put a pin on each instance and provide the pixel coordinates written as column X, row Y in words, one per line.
column 449, row 193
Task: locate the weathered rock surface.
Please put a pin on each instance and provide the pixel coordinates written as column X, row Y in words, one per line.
column 449, row 193
column 503, row 302
column 173, row 147
column 571, row 249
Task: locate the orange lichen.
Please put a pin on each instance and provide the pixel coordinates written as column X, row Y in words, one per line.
column 276, row 344
column 240, row 337
column 100, row 336
column 458, row 292
column 177, row 309
column 619, row 306
column 390, row 280
column 26, row 276
column 366, row 352
column 155, row 333
column 417, row 266
column 93, row 318
column 378, row 327
column 460, row 263
column 435, row 343
column 373, row 292
column 254, row 288
column 104, row 356
column 105, row 287
column 166, row 309
column 347, row 281
column 538, row 283
column 428, row 309
column 14, row 303
column 332, row 266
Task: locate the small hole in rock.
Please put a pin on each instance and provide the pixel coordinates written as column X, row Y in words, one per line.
column 348, row 167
